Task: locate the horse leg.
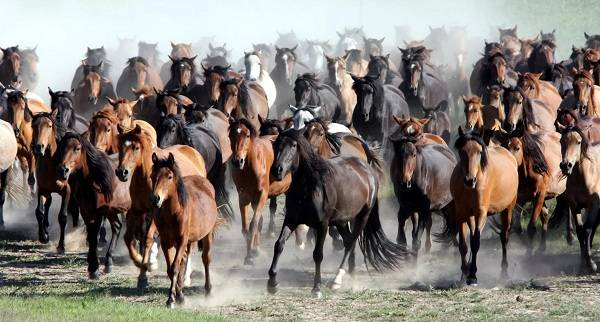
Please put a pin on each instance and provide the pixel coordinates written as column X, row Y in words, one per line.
column 414, row 218
column 301, row 233
column 62, row 217
column 428, row 225
column 401, row 236
column 47, row 205
column 506, row 222
column 463, row 249
column 286, row 230
column 206, row 258
column 176, row 270
column 133, row 221
column 39, row 215
column 336, row 240
column 535, row 214
column 30, row 171
column 102, row 240
column 115, row 227
column 92, row 239
column 318, row 257
column 273, row 210
column 254, row 240
column 185, row 261
column 3, row 186
column 73, row 209
column 591, row 222
column 244, row 213
column 422, row 222
column 475, row 243
column 150, row 250
column 545, row 220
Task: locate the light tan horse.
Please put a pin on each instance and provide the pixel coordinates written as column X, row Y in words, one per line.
column 341, row 81
column 355, row 63
column 534, row 88
column 135, row 164
column 586, row 95
column 481, row 118
column 124, row 111
column 484, row 182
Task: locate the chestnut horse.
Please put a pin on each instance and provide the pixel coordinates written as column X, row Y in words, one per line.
column 252, row 159
column 581, row 163
column 341, row 81
column 124, row 111
column 135, row 166
column 240, row 98
column 482, row 118
column 103, row 131
column 484, row 182
column 214, row 76
column 91, row 92
column 586, row 95
column 99, row 194
column 326, row 193
column 187, row 213
column 136, row 75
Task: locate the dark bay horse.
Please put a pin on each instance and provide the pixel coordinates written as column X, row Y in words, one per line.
column 98, row 192
column 10, row 66
column 137, row 74
column 174, row 130
column 90, row 94
column 178, row 51
column 93, row 57
column 491, row 69
column 214, row 76
column 309, row 91
column 542, row 59
column 420, row 174
column 187, row 213
column 484, row 182
column 327, row 193
column 376, row 103
column 183, row 74
column 379, row 67
column 65, row 118
column 439, row 120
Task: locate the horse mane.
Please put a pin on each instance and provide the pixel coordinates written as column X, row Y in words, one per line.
column 243, row 121
column 106, row 113
column 583, row 74
column 16, row 95
column 378, row 89
column 270, row 123
column 97, row 165
column 187, row 60
column 473, row 136
column 183, row 132
column 317, row 169
column 182, row 194
column 244, row 91
column 534, row 81
column 221, row 70
column 137, row 59
column 332, row 140
column 312, row 79
column 473, row 100
column 533, row 152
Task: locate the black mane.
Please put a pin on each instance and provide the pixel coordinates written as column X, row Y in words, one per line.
column 333, row 140
column 137, row 59
column 532, row 150
column 473, row 136
column 180, row 186
column 315, row 170
column 243, row 121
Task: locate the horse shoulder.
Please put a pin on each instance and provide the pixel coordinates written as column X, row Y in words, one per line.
column 148, row 129
column 189, row 160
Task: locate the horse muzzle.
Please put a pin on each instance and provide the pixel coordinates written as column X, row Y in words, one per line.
column 38, row 150
column 470, row 182
column 277, row 172
column 566, row 167
column 93, row 99
column 406, row 185
column 63, row 172
column 509, row 127
column 156, row 201
column 122, row 174
column 366, row 117
column 238, row 163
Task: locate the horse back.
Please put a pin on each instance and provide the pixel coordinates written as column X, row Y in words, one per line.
column 353, row 185
column 189, row 160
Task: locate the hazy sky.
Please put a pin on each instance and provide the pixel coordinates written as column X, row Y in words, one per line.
column 62, row 29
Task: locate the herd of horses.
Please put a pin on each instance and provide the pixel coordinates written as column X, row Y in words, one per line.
column 324, row 127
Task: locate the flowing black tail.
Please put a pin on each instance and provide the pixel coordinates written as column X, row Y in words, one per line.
column 378, row 250
column 449, row 227
column 221, row 194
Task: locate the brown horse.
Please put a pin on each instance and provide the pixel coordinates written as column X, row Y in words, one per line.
column 252, row 159
column 19, row 113
column 170, row 102
column 484, row 182
column 481, row 118
column 532, row 114
column 586, row 95
column 240, row 98
column 99, row 194
column 329, row 145
column 538, row 159
column 178, row 51
column 581, row 163
column 591, row 62
column 10, row 66
column 91, row 92
column 214, row 76
column 136, row 75
column 538, row 89
column 187, row 213
column 135, row 165
column 124, row 111
column 44, row 146
column 414, row 127
column 341, row 81
column 103, row 131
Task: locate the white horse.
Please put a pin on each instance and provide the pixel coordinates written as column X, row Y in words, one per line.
column 8, row 153
column 315, row 54
column 256, row 72
column 302, row 115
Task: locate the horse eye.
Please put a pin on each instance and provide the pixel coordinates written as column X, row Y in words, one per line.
column 578, row 142
column 108, row 130
column 170, row 177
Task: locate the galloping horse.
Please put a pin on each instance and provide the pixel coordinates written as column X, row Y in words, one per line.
column 439, row 120
column 135, row 165
column 282, row 74
column 315, row 54
column 341, row 81
column 585, row 97
column 421, row 178
column 103, row 132
column 65, row 118
column 93, row 57
column 327, row 193
column 123, row 109
column 214, row 76
column 376, row 103
column 99, row 194
column 379, row 67
column 484, row 182
column 240, row 98
column 91, row 93
column 150, row 53
column 491, row 69
column 183, row 75
column 173, row 129
column 530, row 113
column 542, row 59
column 355, row 63
column 482, row 118
column 372, row 47
column 309, row 91
column 10, row 66
column 137, row 74
column 510, row 43
column 187, row 213
column 255, row 71
column 252, row 159
column 412, row 127
column 178, row 51
column 8, row 153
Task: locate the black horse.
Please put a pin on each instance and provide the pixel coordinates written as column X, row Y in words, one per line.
column 379, row 67
column 376, row 104
column 327, row 193
column 183, row 74
column 309, row 91
column 173, row 130
column 542, row 59
column 65, row 118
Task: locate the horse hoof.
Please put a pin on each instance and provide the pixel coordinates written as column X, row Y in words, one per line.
column 94, row 275
column 170, row 304
column 44, row 238
column 108, row 269
column 142, row 283
column 249, row 261
column 272, row 287
column 180, row 299
column 335, row 286
column 317, row 294
column 60, row 250
column 472, row 281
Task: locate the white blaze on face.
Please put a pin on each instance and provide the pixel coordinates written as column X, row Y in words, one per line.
column 410, row 130
column 127, row 143
column 239, row 130
column 253, row 65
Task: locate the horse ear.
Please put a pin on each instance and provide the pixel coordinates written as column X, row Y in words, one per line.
column 172, row 59
column 50, row 92
column 137, row 129
column 339, row 34
column 553, row 32
column 387, row 57
column 316, row 109
column 294, row 48
column 398, row 119
column 154, row 158
column 381, row 40
column 173, row 45
column 112, row 102
column 365, row 39
column 277, row 48
column 586, row 35
column 371, row 57
column 193, row 58
column 171, row 159
column 210, row 46
column 537, row 37
column 465, row 99
column 156, row 91
column 189, row 107
column 430, row 29
column 536, row 75
column 99, row 65
column 260, row 120
column 239, row 81
column 293, row 108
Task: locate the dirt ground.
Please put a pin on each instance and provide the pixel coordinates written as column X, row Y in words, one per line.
column 541, row 286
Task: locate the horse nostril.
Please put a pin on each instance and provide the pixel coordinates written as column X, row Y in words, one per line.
column 155, row 199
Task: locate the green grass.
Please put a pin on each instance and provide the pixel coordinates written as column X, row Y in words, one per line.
column 59, row 308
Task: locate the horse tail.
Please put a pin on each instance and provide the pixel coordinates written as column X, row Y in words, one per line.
column 449, row 227
column 377, row 249
column 221, row 194
column 373, row 159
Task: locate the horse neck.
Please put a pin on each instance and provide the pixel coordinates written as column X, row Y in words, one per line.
column 172, row 208
column 142, row 173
